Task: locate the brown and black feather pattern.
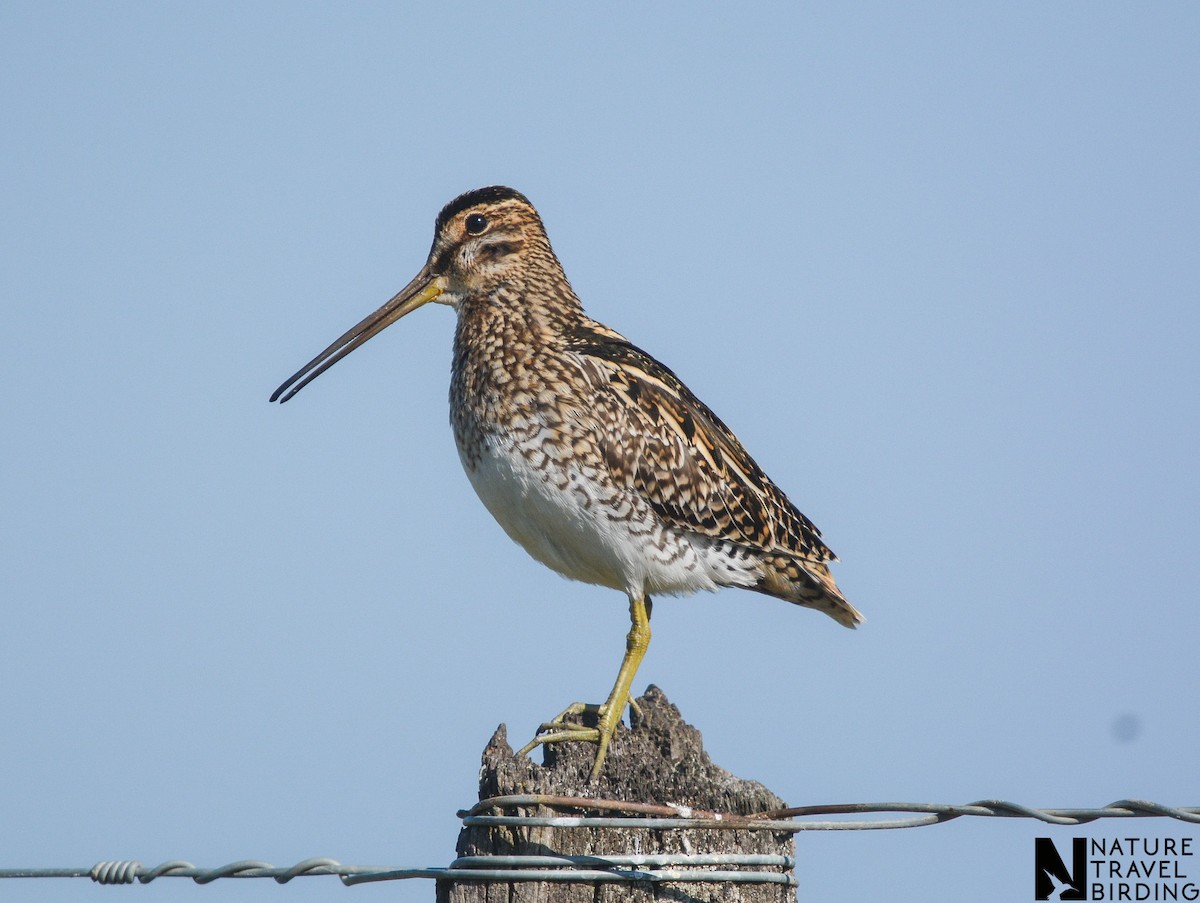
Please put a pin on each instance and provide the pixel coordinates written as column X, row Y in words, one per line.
column 665, row 444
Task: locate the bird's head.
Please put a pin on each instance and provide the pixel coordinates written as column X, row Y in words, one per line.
column 483, row 240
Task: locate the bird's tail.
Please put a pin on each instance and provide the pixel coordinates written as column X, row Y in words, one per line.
column 807, row 583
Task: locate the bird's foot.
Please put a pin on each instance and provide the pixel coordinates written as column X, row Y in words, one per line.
column 558, row 729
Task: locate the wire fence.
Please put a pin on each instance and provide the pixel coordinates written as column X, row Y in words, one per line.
column 650, row 868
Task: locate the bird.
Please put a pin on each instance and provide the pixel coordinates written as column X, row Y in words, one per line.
column 590, row 453
column 1058, row 888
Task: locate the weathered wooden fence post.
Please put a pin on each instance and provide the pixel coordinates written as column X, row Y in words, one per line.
column 660, row 761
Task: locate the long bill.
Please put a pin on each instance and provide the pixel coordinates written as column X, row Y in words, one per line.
column 423, row 289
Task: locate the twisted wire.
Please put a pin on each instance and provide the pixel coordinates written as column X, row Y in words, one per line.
column 654, row 816
column 649, row 868
column 630, row 869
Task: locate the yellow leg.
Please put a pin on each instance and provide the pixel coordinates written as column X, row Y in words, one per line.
column 608, row 712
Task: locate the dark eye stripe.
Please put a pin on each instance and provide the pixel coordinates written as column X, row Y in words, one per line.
column 500, row 248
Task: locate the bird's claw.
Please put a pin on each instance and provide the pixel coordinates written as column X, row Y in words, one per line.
column 558, row 729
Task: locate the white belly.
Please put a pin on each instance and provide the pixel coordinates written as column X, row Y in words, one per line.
column 584, row 530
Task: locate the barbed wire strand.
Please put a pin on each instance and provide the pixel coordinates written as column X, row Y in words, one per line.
column 649, row 868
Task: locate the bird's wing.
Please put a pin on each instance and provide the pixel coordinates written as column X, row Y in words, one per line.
column 662, row 442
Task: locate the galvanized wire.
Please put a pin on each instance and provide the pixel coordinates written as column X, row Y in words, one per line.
column 655, row 816
column 606, row 869
column 650, row 868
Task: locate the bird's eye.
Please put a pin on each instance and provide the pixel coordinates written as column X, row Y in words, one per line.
column 476, row 223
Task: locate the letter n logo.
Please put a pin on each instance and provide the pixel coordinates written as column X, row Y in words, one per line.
column 1051, row 880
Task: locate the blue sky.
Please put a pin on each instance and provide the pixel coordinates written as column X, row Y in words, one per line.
column 936, row 265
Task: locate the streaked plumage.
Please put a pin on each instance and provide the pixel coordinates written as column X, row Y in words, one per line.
column 590, row 453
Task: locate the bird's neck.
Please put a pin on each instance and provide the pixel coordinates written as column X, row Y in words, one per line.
column 526, row 310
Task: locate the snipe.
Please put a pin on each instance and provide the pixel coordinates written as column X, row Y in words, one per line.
column 591, row 454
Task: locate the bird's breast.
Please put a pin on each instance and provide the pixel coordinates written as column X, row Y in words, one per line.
column 529, row 426
column 560, row 506
column 556, row 510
